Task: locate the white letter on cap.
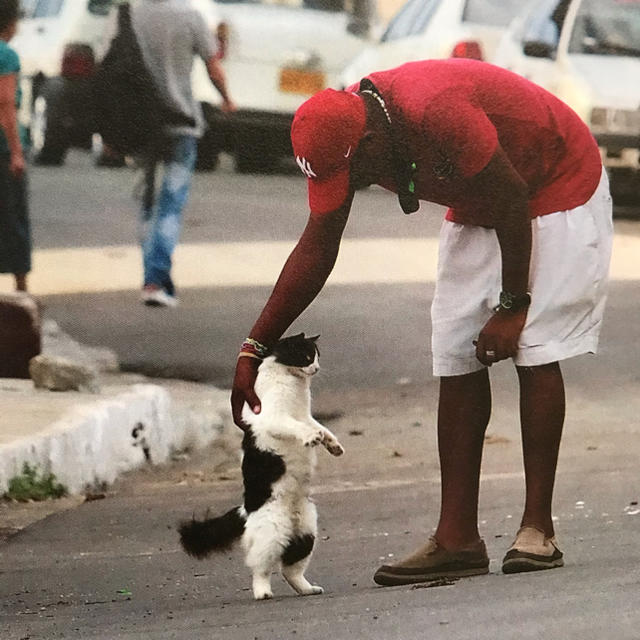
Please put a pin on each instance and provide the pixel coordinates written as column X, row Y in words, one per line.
column 305, row 167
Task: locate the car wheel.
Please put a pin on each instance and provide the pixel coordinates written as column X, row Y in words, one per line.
column 625, row 187
column 246, row 162
column 212, row 142
column 255, row 160
column 208, row 153
column 262, row 149
column 105, row 156
column 47, row 134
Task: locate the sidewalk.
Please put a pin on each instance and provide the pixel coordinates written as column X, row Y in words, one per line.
column 67, row 271
column 88, row 439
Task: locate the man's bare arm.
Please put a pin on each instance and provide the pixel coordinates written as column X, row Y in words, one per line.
column 9, row 121
column 218, row 78
column 506, row 194
column 302, row 277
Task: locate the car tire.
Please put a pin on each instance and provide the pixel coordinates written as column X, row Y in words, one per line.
column 245, row 161
column 625, row 187
column 211, row 143
column 208, row 154
column 256, row 156
column 262, row 149
column 47, row 130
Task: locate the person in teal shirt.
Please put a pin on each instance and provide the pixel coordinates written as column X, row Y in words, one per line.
column 15, row 232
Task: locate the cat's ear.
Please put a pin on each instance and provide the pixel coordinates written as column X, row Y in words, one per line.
column 314, row 339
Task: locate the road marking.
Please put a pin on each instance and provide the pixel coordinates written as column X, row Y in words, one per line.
column 256, row 264
column 374, row 485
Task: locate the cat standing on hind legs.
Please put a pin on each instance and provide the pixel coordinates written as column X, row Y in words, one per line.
column 277, row 523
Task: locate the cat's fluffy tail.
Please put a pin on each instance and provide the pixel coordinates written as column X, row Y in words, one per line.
column 199, row 538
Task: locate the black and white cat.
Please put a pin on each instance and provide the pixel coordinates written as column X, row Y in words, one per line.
column 277, row 524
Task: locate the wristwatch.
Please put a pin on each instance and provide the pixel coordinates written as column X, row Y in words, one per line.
column 512, row 302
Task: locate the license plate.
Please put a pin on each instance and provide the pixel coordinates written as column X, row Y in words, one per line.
column 303, row 82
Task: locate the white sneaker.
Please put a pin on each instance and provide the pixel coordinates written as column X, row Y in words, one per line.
column 154, row 297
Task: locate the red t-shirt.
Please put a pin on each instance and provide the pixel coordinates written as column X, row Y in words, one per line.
column 453, row 113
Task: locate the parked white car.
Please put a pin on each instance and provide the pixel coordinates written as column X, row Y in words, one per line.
column 587, row 52
column 424, row 29
column 59, row 42
column 56, row 41
column 276, row 53
column 279, row 53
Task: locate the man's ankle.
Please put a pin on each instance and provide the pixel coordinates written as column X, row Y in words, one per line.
column 547, row 529
column 456, row 541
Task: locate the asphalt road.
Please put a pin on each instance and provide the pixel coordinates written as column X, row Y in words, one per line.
column 112, row 569
column 373, row 319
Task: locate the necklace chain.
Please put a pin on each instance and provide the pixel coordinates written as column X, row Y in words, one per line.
column 380, row 101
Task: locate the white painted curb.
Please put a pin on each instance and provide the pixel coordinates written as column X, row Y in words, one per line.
column 97, row 441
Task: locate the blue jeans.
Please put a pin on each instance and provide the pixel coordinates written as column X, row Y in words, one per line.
column 162, row 223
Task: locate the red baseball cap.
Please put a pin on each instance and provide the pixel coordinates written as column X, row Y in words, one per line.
column 325, row 134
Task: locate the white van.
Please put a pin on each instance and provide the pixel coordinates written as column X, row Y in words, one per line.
column 587, row 52
column 58, row 42
column 276, row 53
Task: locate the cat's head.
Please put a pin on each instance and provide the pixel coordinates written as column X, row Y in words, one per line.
column 298, row 353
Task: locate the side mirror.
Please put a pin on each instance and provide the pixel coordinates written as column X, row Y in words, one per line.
column 538, row 49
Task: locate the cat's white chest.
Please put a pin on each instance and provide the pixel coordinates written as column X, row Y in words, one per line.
column 283, row 397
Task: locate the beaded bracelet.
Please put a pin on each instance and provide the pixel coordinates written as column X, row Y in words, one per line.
column 251, row 346
column 246, row 354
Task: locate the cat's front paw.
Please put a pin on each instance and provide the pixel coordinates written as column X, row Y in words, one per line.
column 334, row 448
column 313, row 439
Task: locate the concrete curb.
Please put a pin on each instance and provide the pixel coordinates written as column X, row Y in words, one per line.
column 94, row 441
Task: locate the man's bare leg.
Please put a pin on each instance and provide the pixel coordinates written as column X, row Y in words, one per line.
column 542, row 410
column 456, row 549
column 463, row 414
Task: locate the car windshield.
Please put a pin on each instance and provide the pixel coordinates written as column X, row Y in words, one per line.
column 414, row 16
column 607, row 27
column 411, row 20
column 498, row 13
column 544, row 22
column 43, row 9
column 100, row 7
column 27, row 7
column 326, row 5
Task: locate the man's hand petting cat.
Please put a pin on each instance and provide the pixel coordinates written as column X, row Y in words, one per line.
column 243, row 390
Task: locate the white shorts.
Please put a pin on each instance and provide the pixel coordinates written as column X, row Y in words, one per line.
column 568, row 277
